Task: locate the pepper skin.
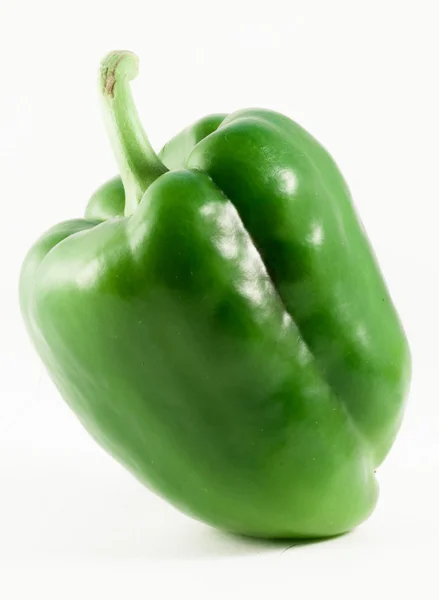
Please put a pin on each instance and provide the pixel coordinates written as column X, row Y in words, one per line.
column 220, row 324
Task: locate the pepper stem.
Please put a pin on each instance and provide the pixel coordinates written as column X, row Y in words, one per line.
column 139, row 165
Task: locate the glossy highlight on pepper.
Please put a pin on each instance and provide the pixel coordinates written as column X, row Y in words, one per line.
column 219, row 324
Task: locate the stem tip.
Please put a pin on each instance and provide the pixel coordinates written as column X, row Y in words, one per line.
column 117, row 65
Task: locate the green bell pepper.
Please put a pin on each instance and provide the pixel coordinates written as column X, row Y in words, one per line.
column 219, row 324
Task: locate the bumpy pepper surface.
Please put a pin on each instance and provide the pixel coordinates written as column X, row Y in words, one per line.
column 219, row 324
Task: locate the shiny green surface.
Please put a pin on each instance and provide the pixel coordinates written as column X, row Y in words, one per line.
column 220, row 325
column 107, row 202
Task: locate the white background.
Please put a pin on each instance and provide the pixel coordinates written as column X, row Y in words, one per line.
column 362, row 78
